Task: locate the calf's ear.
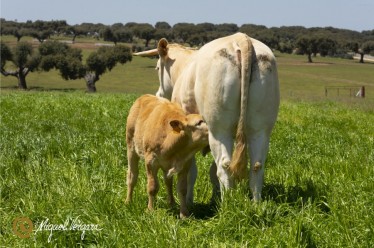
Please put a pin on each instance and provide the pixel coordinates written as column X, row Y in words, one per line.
column 176, row 125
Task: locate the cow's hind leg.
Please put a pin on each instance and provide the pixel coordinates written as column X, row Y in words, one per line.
column 215, row 183
column 221, row 145
column 132, row 173
column 258, row 149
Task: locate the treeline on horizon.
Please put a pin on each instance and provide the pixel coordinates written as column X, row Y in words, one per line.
column 286, row 39
column 134, row 37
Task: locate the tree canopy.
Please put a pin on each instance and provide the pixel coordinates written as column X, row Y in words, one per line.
column 281, row 38
column 60, row 56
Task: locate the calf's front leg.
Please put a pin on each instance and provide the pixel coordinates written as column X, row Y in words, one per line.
column 152, row 184
column 169, row 188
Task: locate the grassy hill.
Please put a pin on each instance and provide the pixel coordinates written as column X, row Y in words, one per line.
column 63, row 160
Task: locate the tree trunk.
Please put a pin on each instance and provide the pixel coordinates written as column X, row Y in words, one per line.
column 91, row 80
column 310, row 58
column 22, row 80
column 73, row 40
column 362, row 58
column 20, row 74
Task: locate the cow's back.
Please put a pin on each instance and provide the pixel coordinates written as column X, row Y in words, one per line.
column 210, row 85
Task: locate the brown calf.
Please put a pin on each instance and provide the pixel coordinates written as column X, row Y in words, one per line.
column 167, row 138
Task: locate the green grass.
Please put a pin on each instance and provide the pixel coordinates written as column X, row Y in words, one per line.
column 63, row 156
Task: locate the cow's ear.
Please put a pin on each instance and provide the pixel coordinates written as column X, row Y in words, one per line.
column 163, row 47
column 176, row 125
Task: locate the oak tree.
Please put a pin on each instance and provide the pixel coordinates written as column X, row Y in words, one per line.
column 24, row 60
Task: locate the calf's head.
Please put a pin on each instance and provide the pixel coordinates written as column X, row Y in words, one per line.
column 192, row 137
column 194, row 128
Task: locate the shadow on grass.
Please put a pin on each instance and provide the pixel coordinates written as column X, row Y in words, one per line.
column 204, row 211
column 199, row 211
column 41, row 89
column 297, row 195
column 54, row 89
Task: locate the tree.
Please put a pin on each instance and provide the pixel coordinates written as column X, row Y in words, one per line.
column 75, row 31
column 286, row 46
column 23, row 58
column 108, row 35
column 326, row 46
column 144, row 31
column 41, row 36
column 307, row 45
column 105, row 58
column 227, row 28
column 60, row 56
column 162, row 25
column 117, row 33
column 68, row 61
column 19, row 33
column 163, row 30
column 6, row 55
column 183, row 31
column 42, row 30
column 313, row 44
column 362, row 49
column 368, row 47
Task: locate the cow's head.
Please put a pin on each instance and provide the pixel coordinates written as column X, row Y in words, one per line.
column 170, row 64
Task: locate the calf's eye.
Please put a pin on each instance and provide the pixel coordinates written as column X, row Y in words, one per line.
column 199, row 122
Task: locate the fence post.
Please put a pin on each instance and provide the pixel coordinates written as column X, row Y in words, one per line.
column 363, row 91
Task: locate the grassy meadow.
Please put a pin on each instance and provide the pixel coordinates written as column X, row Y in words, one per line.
column 63, row 165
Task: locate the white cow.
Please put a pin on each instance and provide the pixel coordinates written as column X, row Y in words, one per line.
column 233, row 83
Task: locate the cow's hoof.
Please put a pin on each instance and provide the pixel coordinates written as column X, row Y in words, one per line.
column 184, row 215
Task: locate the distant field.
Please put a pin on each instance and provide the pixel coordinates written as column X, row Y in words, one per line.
column 298, row 78
column 63, row 159
column 301, row 79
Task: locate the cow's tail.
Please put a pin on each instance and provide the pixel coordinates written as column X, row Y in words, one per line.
column 238, row 165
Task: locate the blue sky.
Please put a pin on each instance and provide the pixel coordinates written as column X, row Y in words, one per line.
column 349, row 14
